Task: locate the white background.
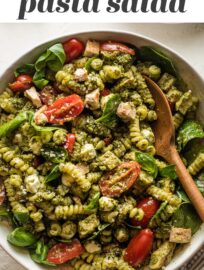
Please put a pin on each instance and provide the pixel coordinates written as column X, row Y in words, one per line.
column 187, row 39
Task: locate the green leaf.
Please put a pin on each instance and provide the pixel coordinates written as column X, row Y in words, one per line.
column 21, row 217
column 21, row 238
column 93, row 203
column 25, row 69
column 200, row 182
column 186, row 217
column 53, row 59
column 7, row 128
column 189, row 131
column 53, row 153
column 40, row 254
column 157, row 214
column 147, row 162
column 169, row 171
column 133, row 227
column 4, row 212
column 53, row 175
column 158, row 58
column 182, row 195
column 100, row 229
column 39, row 79
column 109, row 117
column 42, row 128
column 193, row 149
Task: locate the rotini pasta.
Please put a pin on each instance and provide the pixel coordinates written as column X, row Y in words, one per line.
column 70, row 174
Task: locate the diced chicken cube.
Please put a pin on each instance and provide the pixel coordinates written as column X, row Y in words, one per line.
column 180, row 235
column 92, row 100
column 92, row 48
column 80, row 74
column 126, row 111
column 33, row 95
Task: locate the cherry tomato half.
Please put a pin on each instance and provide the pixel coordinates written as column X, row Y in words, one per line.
column 116, row 46
column 22, row 83
column 2, row 193
column 119, row 180
column 73, row 48
column 150, row 207
column 64, row 109
column 139, row 247
column 61, row 253
column 70, row 142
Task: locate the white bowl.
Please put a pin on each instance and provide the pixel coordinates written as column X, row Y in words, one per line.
column 195, row 83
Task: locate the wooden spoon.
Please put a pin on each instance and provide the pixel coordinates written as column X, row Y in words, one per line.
column 164, row 133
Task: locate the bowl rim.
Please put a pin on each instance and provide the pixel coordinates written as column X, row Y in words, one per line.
column 103, row 31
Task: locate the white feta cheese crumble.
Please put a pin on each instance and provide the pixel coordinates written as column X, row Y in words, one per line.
column 80, row 74
column 92, row 100
column 32, row 183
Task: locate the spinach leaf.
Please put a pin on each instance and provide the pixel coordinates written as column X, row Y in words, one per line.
column 40, row 254
column 157, row 57
column 182, row 195
column 21, row 238
column 109, row 117
column 147, row 163
column 4, row 212
column 161, row 208
column 193, row 149
column 189, row 131
column 53, row 153
column 25, row 69
column 133, row 227
column 200, row 182
column 93, row 205
column 186, row 217
column 169, row 171
column 100, row 229
column 41, row 128
column 21, row 217
column 39, row 79
column 53, row 175
column 53, row 59
column 7, row 128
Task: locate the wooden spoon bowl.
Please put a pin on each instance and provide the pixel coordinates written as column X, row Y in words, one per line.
column 164, row 132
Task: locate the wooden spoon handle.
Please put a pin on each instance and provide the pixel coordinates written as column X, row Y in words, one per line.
column 187, row 181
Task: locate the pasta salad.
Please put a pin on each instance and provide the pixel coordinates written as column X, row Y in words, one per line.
column 81, row 183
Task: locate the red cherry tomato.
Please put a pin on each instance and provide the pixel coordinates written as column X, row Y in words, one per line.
column 70, row 142
column 2, row 194
column 119, row 180
column 116, row 46
column 61, row 253
column 139, row 247
column 73, row 48
column 105, row 92
column 22, row 83
column 64, row 109
column 150, row 207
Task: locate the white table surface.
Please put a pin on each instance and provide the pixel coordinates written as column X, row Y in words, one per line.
column 187, row 39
